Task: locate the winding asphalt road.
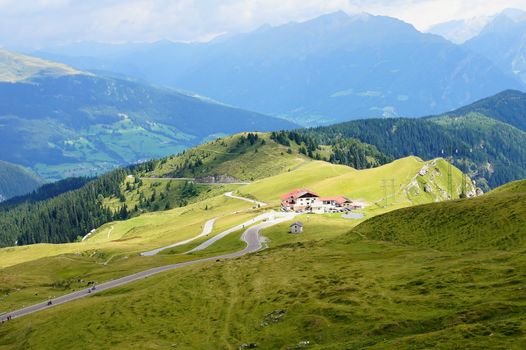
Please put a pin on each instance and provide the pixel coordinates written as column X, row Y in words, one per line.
column 262, row 217
column 209, row 225
column 250, row 236
column 207, row 229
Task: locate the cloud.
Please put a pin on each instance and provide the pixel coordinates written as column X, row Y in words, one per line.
column 37, row 23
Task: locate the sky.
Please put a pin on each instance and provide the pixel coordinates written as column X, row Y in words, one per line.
column 44, row 23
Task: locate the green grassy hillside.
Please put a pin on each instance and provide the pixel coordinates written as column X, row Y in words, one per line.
column 124, row 239
column 496, row 220
column 16, row 68
column 16, row 180
column 331, row 287
column 366, row 185
column 511, row 187
column 326, row 289
column 243, row 158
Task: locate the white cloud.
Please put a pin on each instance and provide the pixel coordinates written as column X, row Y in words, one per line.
column 47, row 22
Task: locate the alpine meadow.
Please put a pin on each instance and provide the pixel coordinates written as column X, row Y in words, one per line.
column 262, row 175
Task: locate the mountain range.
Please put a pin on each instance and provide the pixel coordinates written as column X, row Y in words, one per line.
column 500, row 38
column 332, row 68
column 503, row 41
column 63, row 122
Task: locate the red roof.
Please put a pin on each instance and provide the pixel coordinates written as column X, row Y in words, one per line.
column 297, row 193
column 337, row 199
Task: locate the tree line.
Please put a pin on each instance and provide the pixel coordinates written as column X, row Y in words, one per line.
column 343, row 150
column 62, row 218
column 69, row 209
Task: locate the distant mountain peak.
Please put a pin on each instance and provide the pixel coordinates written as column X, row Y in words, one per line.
column 337, row 15
column 460, row 30
column 516, row 15
column 500, row 23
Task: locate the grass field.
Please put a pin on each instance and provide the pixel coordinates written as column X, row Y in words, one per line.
column 330, row 290
column 30, row 274
column 332, row 287
column 112, row 250
column 496, row 220
column 135, row 235
column 228, row 156
column 329, row 179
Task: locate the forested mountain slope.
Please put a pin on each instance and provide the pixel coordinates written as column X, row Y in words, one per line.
column 15, row 181
column 491, row 151
column 508, row 106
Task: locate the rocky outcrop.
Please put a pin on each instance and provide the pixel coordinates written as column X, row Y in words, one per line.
column 428, row 188
column 213, row 179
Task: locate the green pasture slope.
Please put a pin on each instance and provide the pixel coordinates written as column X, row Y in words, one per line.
column 235, row 156
column 332, row 287
column 496, row 220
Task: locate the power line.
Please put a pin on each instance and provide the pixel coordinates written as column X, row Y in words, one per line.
column 385, row 187
column 393, row 190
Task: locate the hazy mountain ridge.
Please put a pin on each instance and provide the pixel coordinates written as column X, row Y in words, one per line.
column 459, row 31
column 503, row 41
column 331, row 68
column 16, row 68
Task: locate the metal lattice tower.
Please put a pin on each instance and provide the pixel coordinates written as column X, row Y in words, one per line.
column 384, row 187
column 450, row 178
column 393, row 190
column 464, row 184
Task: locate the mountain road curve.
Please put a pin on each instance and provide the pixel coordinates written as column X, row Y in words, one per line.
column 271, row 216
column 207, row 229
column 251, row 237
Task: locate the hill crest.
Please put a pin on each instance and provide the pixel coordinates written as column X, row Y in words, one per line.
column 15, row 67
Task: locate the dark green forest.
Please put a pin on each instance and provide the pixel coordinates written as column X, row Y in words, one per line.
column 62, row 218
column 491, row 152
column 343, row 150
column 64, row 211
column 49, row 190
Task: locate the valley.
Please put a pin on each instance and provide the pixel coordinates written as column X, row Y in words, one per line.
column 63, row 123
column 251, row 175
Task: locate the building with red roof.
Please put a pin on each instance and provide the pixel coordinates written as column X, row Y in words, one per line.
column 302, row 199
